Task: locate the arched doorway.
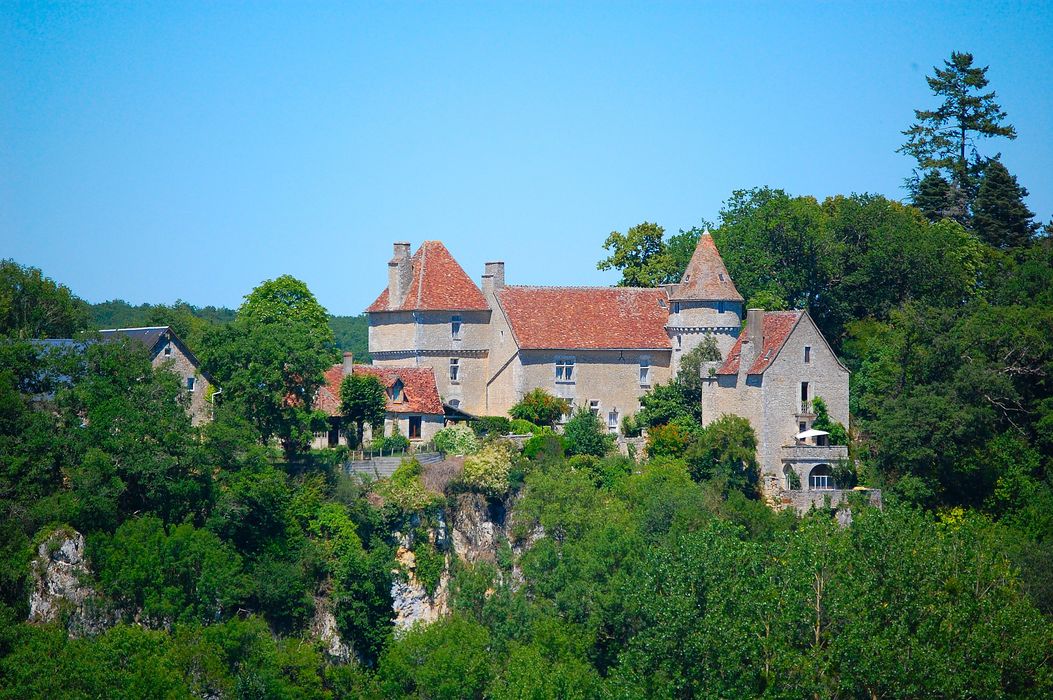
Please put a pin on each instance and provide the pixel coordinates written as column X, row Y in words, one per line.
column 821, row 478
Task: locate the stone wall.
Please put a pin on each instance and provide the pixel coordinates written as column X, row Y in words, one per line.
column 199, row 407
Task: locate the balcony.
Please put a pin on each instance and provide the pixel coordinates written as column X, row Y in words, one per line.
column 815, row 454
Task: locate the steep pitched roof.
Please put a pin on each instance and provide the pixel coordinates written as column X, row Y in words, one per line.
column 778, row 325
column 148, row 336
column 419, row 390
column 706, row 278
column 586, row 318
column 438, row 283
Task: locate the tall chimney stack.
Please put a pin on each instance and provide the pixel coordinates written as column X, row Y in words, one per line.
column 399, row 274
column 493, row 277
column 754, row 336
column 349, row 363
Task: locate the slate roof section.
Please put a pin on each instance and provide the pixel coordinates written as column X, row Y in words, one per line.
column 149, row 336
column 438, row 283
column 706, row 278
column 421, row 394
column 586, row 318
column 778, row 325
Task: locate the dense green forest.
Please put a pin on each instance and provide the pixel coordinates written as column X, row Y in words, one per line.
column 214, row 556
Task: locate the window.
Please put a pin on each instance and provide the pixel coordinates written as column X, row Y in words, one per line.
column 676, row 307
column 679, row 342
column 398, row 394
column 807, row 354
column 720, row 307
column 454, row 403
column 645, row 371
column 804, row 391
column 168, row 350
column 821, row 479
column 414, row 427
column 565, row 369
column 801, row 427
column 189, row 383
column 594, row 406
column 612, row 421
column 455, row 327
column 455, row 370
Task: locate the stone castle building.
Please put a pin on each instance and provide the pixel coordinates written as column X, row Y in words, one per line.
column 604, row 347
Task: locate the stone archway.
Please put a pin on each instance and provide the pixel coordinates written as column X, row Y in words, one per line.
column 821, row 478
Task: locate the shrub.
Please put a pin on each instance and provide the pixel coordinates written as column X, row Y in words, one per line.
column 584, row 434
column 491, row 425
column 838, row 434
column 396, row 442
column 456, row 440
column 488, row 469
column 631, row 426
column 667, row 441
column 524, row 427
column 544, row 445
column 405, row 490
column 540, row 407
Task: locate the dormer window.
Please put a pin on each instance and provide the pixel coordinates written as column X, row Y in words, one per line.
column 720, row 307
column 455, row 327
column 398, row 393
column 676, row 307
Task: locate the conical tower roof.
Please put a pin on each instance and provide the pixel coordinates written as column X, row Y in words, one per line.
column 706, row 278
column 438, row 283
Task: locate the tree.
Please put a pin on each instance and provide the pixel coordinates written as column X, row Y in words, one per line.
column 1000, row 216
column 362, row 400
column 936, row 198
column 540, row 408
column 584, row 434
column 640, row 255
column 34, row 306
column 728, row 450
column 944, row 139
column 271, row 358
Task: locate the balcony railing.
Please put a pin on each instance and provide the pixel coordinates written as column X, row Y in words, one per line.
column 813, row 453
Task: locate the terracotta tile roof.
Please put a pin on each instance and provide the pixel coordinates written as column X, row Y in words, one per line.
column 586, row 318
column 419, row 390
column 777, row 328
column 438, row 283
column 706, row 278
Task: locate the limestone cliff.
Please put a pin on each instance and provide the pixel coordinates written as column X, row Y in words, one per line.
column 61, row 591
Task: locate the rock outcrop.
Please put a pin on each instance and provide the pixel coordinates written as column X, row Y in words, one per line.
column 324, row 629
column 409, row 599
column 61, row 592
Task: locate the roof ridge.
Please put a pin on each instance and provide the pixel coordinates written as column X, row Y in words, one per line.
column 584, row 286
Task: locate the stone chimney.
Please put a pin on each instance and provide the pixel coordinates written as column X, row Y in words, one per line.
column 400, row 274
column 754, row 341
column 349, row 363
column 493, row 277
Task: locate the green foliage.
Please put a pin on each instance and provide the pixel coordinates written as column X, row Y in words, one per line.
column 543, row 446
column 488, row 469
column 429, row 563
column 405, row 490
column 362, row 400
column 585, row 434
column 668, row 440
column 183, row 574
column 34, row 306
column 351, row 334
column 493, row 426
column 727, row 450
column 944, row 139
column 447, row 660
column 665, row 403
column 1000, row 215
column 190, row 323
column 395, row 442
column 631, row 425
column 456, row 440
column 540, row 408
column 838, row 433
column 519, row 426
column 270, row 360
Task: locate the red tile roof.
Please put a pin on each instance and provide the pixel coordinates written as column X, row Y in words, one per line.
column 777, row 328
column 419, row 391
column 586, row 318
column 706, row 278
column 438, row 284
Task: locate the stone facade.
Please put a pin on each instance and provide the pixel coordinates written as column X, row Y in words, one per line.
column 779, row 365
column 603, row 348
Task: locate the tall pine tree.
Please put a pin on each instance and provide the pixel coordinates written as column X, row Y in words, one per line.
column 1000, row 216
column 944, row 139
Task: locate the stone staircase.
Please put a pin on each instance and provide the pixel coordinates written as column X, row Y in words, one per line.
column 384, row 467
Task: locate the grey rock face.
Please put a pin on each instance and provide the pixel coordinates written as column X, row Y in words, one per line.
column 60, row 592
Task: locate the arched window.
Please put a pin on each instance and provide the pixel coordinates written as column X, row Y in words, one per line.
column 791, row 481
column 821, row 478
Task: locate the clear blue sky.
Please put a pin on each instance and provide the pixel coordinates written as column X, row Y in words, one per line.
column 160, row 151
